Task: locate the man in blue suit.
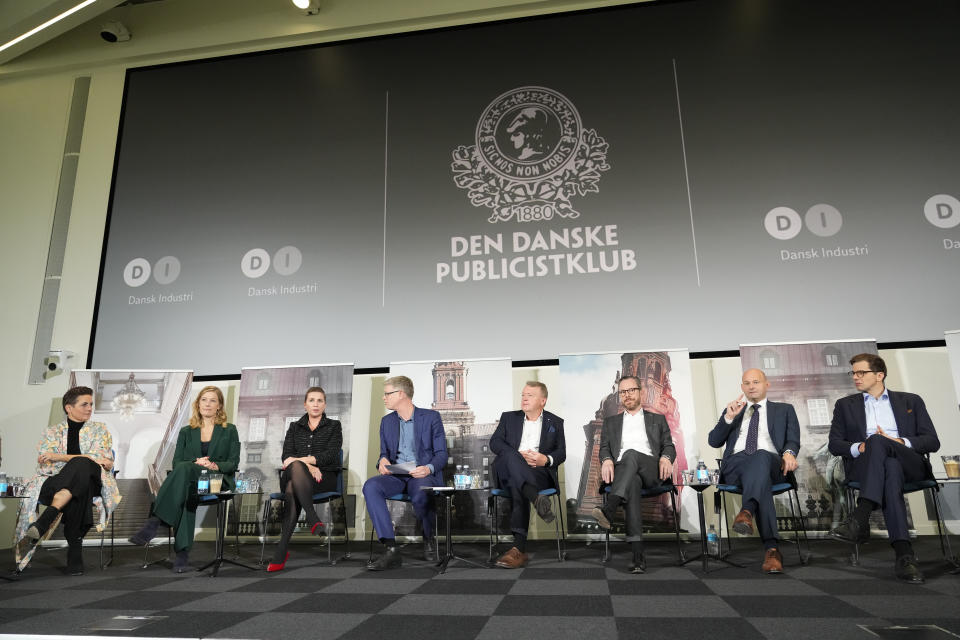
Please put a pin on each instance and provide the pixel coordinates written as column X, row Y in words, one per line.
column 407, row 435
column 529, row 445
column 757, row 456
column 882, row 437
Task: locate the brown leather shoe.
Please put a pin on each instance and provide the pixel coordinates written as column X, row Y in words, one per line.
column 743, row 523
column 773, row 561
column 512, row 559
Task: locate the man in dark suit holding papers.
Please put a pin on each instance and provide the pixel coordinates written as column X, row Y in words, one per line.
column 882, row 437
column 408, row 434
column 529, row 445
column 636, row 451
column 758, row 455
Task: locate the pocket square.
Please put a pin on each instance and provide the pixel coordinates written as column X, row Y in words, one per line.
column 909, row 410
column 551, row 430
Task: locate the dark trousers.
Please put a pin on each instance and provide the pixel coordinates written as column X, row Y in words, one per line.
column 756, row 473
column 512, row 473
column 631, row 474
column 377, row 488
column 881, row 470
column 80, row 476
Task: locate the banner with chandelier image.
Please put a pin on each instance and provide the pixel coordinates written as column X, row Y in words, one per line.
column 470, row 395
column 811, row 376
column 589, row 385
column 143, row 411
column 269, row 399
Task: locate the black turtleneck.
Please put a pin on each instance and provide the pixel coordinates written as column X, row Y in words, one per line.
column 73, row 437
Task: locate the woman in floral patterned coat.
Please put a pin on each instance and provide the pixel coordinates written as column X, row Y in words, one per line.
column 75, row 460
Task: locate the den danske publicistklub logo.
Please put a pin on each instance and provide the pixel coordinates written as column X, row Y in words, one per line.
column 531, row 156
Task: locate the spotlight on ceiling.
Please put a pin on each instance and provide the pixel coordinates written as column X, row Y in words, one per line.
column 310, row 7
column 114, row 31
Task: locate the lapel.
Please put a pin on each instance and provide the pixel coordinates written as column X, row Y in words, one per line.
column 544, row 428
column 214, row 438
column 770, row 409
column 899, row 410
column 860, row 415
column 392, row 436
column 616, row 434
column 653, row 437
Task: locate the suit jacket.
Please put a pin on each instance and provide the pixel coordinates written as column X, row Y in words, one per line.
column 782, row 425
column 849, row 424
column 658, row 435
column 428, row 436
column 552, row 443
column 224, row 450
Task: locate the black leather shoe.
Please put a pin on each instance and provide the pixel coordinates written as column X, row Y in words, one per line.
column 638, row 564
column 908, row 571
column 602, row 517
column 544, row 510
column 430, row 549
column 850, row 531
column 389, row 559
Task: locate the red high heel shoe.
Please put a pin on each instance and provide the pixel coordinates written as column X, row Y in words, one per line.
column 314, row 529
column 273, row 566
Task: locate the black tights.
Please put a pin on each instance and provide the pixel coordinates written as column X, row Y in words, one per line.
column 298, row 494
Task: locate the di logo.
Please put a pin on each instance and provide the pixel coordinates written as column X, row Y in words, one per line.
column 138, row 271
column 942, row 211
column 286, row 261
column 783, row 223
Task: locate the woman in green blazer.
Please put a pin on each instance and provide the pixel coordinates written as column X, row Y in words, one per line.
column 208, row 442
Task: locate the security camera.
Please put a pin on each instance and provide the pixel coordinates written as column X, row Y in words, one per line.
column 57, row 361
column 114, row 31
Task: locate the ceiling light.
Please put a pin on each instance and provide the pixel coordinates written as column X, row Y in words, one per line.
column 310, row 7
column 49, row 22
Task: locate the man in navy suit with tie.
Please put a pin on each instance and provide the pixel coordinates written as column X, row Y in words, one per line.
column 882, row 437
column 415, row 436
column 758, row 455
column 529, row 445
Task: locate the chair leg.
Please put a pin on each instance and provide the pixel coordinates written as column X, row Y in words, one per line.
column 851, row 501
column 724, row 522
column 561, row 531
column 264, row 523
column 676, row 526
column 605, row 558
column 798, row 525
column 942, row 530
column 494, row 529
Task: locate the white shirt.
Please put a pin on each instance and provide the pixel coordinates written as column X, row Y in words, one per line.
column 763, row 432
column 634, row 434
column 530, row 440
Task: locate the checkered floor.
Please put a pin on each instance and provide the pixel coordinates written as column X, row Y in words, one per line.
column 579, row 598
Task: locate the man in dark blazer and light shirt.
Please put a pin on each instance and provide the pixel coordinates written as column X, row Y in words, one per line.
column 762, row 441
column 412, row 435
column 529, row 445
column 636, row 451
column 882, row 436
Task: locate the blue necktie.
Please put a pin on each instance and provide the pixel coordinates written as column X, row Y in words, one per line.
column 753, row 430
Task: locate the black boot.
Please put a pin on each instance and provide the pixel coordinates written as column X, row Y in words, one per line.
column 147, row 532
column 181, row 563
column 40, row 526
column 75, row 557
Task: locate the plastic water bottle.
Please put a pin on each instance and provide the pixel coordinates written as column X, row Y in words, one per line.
column 3, row 484
column 239, row 482
column 458, row 477
column 713, row 542
column 203, row 483
column 703, row 474
column 466, row 477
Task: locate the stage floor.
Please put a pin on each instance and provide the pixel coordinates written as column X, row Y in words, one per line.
column 579, row 598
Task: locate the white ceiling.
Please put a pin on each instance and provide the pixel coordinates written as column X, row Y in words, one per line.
column 186, row 29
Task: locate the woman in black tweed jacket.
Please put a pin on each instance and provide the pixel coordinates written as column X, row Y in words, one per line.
column 311, row 462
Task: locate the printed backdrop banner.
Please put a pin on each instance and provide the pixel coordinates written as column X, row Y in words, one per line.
column 953, row 351
column 143, row 411
column 470, row 396
column 811, row 376
column 589, row 387
column 270, row 398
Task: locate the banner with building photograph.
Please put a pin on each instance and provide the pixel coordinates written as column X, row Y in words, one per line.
column 589, row 392
column 470, row 395
column 953, row 352
column 270, row 398
column 811, row 376
column 143, row 411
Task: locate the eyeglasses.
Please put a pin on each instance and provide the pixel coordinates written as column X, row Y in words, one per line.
column 859, row 374
column 387, row 393
column 626, row 392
